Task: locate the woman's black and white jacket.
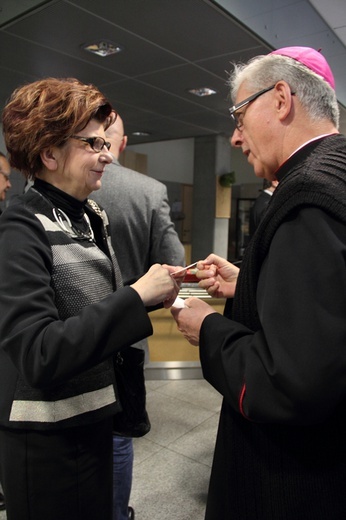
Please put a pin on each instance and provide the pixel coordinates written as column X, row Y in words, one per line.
column 61, row 320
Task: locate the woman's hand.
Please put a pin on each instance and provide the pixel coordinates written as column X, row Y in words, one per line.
column 217, row 276
column 158, row 286
column 190, row 318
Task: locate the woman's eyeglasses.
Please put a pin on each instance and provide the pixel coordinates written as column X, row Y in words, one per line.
column 96, row 143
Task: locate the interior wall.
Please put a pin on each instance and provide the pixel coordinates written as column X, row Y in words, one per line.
column 173, row 161
column 169, row 160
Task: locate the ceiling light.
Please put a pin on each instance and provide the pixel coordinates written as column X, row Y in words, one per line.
column 103, row 48
column 140, row 134
column 203, row 91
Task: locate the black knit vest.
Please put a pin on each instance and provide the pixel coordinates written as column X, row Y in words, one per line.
column 315, row 176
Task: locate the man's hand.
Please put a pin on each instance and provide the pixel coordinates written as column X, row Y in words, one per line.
column 190, row 318
column 217, row 276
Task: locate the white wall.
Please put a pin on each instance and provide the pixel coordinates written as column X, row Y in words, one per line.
column 173, row 161
column 169, row 160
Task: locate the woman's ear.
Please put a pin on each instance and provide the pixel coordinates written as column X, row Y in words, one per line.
column 49, row 159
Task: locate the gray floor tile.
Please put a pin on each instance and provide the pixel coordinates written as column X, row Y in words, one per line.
column 144, row 448
column 155, row 384
column 198, row 444
column 169, row 486
column 171, row 417
column 196, row 391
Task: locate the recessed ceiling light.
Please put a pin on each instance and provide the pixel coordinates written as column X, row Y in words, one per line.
column 103, row 48
column 203, row 91
column 140, row 134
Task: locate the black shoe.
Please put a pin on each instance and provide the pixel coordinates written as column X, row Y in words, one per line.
column 3, row 506
column 131, row 513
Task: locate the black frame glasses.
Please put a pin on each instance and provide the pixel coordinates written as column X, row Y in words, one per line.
column 96, row 143
column 232, row 111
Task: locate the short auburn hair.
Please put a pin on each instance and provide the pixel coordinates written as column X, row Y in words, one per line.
column 45, row 113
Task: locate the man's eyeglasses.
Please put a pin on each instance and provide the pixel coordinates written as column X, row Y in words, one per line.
column 238, row 118
column 96, row 143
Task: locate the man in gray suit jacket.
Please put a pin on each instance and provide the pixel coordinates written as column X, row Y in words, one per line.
column 142, row 234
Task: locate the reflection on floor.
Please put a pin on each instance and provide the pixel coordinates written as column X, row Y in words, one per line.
column 172, row 463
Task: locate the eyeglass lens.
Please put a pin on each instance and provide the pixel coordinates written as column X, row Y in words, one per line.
column 96, row 143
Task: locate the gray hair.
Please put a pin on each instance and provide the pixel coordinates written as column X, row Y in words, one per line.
column 314, row 93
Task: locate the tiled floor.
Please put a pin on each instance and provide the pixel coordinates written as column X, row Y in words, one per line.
column 172, row 463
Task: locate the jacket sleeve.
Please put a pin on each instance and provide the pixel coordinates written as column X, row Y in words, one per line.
column 43, row 348
column 293, row 369
column 165, row 246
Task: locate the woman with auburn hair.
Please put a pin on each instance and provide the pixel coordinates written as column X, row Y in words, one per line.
column 63, row 311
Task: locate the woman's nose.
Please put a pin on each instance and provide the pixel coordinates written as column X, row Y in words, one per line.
column 106, row 156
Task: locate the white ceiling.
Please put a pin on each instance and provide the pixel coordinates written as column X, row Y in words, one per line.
column 334, row 13
column 170, row 46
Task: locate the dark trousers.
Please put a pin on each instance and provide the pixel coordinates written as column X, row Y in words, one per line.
column 65, row 474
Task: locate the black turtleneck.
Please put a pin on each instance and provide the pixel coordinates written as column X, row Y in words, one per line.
column 73, row 207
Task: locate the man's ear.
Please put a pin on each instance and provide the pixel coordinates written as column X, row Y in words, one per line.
column 123, row 144
column 48, row 158
column 283, row 96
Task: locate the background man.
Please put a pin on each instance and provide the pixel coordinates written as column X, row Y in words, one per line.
column 142, row 234
column 5, row 171
column 260, row 205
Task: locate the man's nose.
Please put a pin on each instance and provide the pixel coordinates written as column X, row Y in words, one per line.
column 236, row 138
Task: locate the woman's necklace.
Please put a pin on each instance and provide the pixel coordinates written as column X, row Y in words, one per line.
column 66, row 225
